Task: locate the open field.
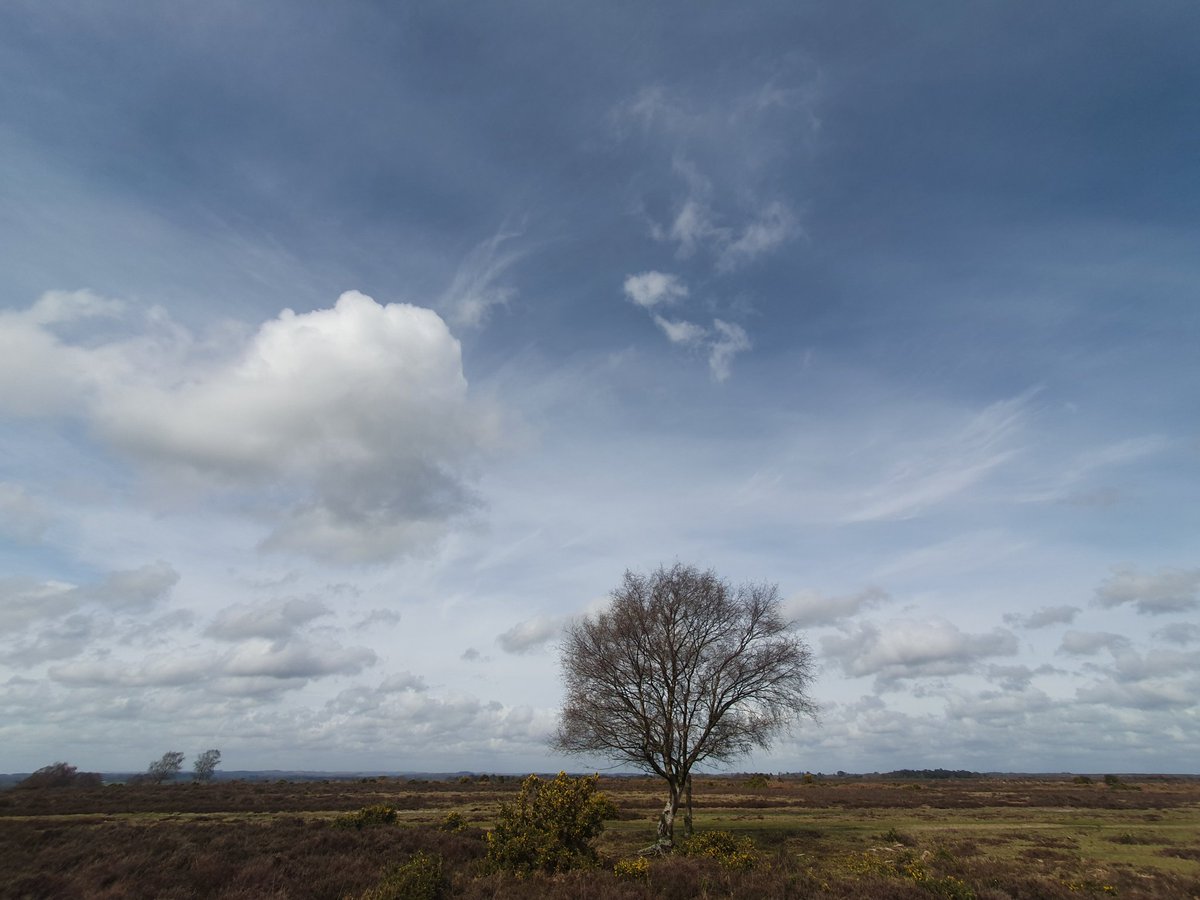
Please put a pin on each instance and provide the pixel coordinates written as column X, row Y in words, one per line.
column 835, row 838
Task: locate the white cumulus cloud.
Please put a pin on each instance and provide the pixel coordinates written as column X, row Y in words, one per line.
column 527, row 636
column 354, row 421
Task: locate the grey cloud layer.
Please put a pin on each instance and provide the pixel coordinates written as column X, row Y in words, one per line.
column 901, row 650
column 1165, row 591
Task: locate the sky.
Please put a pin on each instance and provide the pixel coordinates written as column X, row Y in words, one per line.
column 350, row 351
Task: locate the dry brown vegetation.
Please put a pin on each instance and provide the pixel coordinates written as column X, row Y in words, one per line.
column 836, row 838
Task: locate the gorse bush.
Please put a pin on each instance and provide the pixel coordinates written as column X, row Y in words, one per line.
column 550, row 825
column 421, row 878
column 367, row 817
column 637, row 869
column 731, row 852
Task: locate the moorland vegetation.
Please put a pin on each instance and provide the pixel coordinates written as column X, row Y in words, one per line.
column 827, row 837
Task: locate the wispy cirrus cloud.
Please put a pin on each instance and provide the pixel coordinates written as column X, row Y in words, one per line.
column 476, row 289
column 935, row 469
column 723, row 209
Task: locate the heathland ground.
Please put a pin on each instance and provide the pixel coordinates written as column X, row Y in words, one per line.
column 987, row 838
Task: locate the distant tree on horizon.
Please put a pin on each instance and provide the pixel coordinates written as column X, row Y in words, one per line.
column 60, row 774
column 205, row 765
column 165, row 768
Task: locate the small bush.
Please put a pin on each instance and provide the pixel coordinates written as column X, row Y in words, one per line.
column 731, row 852
column 637, row 869
column 757, row 781
column 367, row 817
column 421, row 878
column 1081, row 779
column 892, row 836
column 549, row 827
column 453, row 823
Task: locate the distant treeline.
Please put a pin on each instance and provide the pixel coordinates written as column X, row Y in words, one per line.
column 931, row 773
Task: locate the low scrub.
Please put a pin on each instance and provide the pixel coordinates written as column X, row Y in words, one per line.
column 367, row 817
column 453, row 822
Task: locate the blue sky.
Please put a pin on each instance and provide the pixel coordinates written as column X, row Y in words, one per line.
column 347, row 351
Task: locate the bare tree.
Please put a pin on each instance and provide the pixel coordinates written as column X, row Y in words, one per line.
column 206, row 763
column 682, row 669
column 166, row 768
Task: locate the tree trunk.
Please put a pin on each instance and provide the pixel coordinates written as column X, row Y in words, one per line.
column 666, row 820
column 687, row 810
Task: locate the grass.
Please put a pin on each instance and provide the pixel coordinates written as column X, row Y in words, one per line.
column 985, row 838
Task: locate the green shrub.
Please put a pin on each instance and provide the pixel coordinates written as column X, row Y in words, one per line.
column 758, row 781
column 549, row 827
column 421, row 878
column 1081, row 779
column 731, row 852
column 367, row 817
